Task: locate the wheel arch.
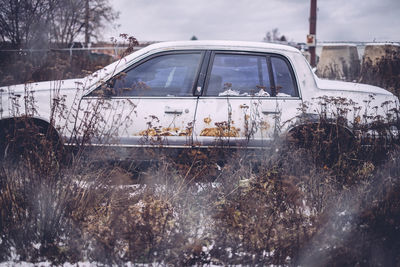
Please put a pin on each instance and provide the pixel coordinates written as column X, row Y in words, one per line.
column 326, row 124
column 20, row 122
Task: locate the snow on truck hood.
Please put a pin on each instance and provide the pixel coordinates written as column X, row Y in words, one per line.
column 350, row 87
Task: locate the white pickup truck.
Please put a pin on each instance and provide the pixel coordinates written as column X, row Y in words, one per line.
column 193, row 94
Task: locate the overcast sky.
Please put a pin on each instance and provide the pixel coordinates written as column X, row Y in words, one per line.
column 249, row 20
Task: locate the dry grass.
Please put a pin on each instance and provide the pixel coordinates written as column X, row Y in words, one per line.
column 320, row 202
column 280, row 210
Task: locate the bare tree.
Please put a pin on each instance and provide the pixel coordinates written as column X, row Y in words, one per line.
column 274, row 36
column 65, row 21
column 76, row 18
column 31, row 23
column 24, row 22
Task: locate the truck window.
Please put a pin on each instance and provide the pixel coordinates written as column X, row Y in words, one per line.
column 164, row 75
column 283, row 78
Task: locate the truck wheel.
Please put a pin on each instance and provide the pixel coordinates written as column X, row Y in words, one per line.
column 327, row 142
column 37, row 145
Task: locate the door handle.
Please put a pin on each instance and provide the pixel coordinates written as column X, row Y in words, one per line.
column 270, row 111
column 169, row 110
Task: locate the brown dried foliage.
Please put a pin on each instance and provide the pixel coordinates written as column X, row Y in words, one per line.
column 316, row 202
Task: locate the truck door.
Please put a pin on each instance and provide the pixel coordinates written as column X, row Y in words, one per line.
column 246, row 99
column 152, row 102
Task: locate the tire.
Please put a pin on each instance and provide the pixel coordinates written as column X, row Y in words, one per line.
column 25, row 140
column 328, row 142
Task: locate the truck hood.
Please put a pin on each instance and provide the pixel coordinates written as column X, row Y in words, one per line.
column 350, row 87
column 70, row 84
column 42, row 96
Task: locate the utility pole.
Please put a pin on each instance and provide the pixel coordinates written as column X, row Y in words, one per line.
column 87, row 37
column 311, row 38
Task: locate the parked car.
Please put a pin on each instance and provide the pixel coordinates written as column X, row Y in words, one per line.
column 193, row 94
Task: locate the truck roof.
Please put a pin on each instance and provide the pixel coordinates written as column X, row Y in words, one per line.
column 219, row 44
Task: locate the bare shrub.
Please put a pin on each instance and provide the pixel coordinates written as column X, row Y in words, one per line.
column 23, row 67
column 383, row 71
column 359, row 227
column 38, row 211
column 252, row 212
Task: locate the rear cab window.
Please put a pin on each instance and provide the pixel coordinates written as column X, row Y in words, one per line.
column 283, row 78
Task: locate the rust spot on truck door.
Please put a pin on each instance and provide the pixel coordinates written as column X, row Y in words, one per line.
column 265, row 125
column 169, row 131
column 223, row 129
